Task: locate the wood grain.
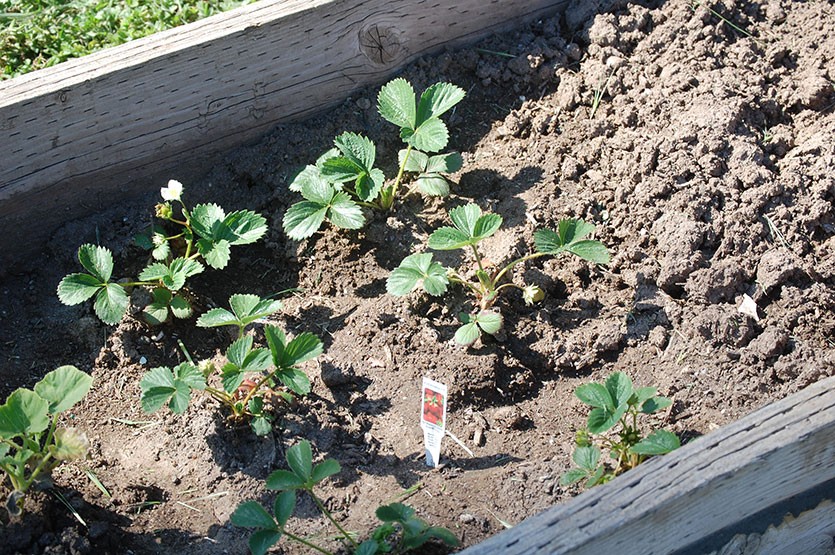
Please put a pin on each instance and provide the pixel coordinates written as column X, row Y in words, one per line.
column 674, row 503
column 120, row 119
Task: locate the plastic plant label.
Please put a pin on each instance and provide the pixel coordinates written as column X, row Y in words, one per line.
column 433, row 418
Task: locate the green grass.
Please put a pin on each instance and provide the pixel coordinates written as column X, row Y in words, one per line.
column 39, row 33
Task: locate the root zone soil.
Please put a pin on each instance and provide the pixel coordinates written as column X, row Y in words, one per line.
column 709, row 169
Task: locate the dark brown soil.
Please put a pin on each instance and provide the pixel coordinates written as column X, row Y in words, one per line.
column 709, row 169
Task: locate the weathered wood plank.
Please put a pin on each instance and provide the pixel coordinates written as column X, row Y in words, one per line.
column 673, row 503
column 123, row 117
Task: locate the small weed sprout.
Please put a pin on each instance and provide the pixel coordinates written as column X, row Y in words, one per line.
column 470, row 228
column 400, row 532
column 345, row 179
column 204, row 233
column 251, row 380
column 616, row 405
column 31, row 443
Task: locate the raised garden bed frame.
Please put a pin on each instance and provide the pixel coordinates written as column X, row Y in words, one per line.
column 115, row 123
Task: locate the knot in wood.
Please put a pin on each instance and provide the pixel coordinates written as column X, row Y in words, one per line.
column 380, row 44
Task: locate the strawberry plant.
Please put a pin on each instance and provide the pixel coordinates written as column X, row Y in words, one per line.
column 401, row 530
column 613, row 423
column 345, row 179
column 251, row 381
column 471, row 227
column 31, row 443
column 204, row 233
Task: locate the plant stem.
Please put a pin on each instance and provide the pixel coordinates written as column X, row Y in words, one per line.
column 258, row 386
column 333, row 520
column 510, row 266
column 387, row 197
column 303, row 541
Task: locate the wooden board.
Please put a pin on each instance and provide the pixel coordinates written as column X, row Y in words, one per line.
column 773, row 470
column 83, row 133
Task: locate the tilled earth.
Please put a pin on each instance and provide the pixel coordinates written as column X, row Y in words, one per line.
column 708, row 167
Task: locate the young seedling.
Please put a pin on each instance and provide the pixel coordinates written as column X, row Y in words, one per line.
column 401, row 529
column 204, row 233
column 251, row 379
column 613, row 423
column 344, row 179
column 471, row 227
column 31, row 443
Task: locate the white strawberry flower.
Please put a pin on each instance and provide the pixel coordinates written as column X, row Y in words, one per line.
column 173, row 192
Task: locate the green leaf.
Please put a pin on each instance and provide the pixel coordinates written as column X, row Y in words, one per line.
column 395, row 512
column 251, row 514
column 231, row 377
column 573, row 476
column 246, row 309
column 249, row 308
column 433, row 184
column 464, row 218
column 448, row 238
column 319, row 191
column 180, row 307
column 443, row 534
column 300, row 459
column 262, row 540
column 437, row 99
column 601, row 420
column 239, row 349
column 619, row 386
column 417, row 161
column 303, row 219
column 593, row 251
column 63, row 387
column 261, row 426
column 444, row 163
column 309, row 175
column 655, row 404
column 414, row 270
column 659, row 442
column 572, row 230
column 156, row 313
column 489, row 321
column 174, row 275
column 467, row 334
column 161, row 385
column 356, row 148
column 284, row 480
column 344, row 212
column 161, row 251
column 245, row 226
column 368, row 547
column 295, row 380
column 77, row 288
column 396, row 103
column 24, row 413
column 70, row 445
column 431, row 136
column 595, row 395
column 302, row 348
column 206, row 220
column 326, row 468
column 642, row 394
column 215, row 253
column 587, row 457
column 284, row 506
column 547, row 241
column 341, row 169
column 368, row 185
column 486, row 226
column 597, row 477
column 111, row 303
column 96, row 260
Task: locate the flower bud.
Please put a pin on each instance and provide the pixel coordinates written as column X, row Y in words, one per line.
column 532, row 294
column 164, row 211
